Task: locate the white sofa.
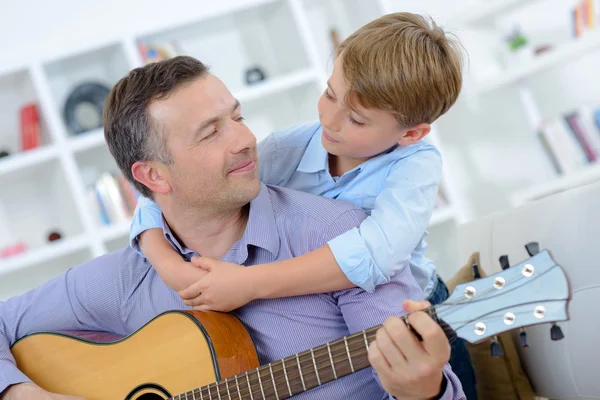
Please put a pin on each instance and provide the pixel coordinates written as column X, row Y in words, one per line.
column 568, row 225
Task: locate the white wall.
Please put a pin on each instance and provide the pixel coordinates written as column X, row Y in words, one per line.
column 33, row 29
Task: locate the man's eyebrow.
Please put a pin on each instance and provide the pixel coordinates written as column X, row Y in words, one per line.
column 213, row 120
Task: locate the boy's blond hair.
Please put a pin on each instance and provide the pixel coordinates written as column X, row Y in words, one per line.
column 402, row 63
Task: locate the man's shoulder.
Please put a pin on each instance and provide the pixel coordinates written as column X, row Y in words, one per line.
column 124, row 265
column 290, row 203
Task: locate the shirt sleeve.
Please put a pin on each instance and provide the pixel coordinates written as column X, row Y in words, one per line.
column 86, row 297
column 362, row 310
column 370, row 254
column 147, row 215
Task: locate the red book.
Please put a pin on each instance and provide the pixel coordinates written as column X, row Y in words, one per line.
column 30, row 127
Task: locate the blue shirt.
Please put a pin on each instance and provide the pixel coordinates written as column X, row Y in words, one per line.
column 120, row 292
column 397, row 189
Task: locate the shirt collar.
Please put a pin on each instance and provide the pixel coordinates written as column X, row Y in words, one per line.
column 261, row 231
column 315, row 155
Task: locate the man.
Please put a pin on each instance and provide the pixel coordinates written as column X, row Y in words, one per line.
column 177, row 134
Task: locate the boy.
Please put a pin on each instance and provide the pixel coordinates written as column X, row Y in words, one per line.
column 392, row 78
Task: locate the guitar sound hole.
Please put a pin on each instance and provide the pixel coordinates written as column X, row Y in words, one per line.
column 150, row 396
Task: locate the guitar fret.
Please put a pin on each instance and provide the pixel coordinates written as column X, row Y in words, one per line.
column 312, row 354
column 366, row 342
column 249, row 387
column 273, row 380
column 348, row 353
column 331, row 360
column 209, row 393
column 260, row 383
column 237, row 385
column 287, row 382
column 218, row 390
column 300, row 371
column 227, row 386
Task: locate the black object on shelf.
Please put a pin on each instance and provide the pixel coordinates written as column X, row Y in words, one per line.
column 4, row 153
column 53, row 236
column 254, row 75
column 90, row 94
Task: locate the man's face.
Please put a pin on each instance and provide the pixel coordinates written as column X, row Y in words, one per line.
column 214, row 153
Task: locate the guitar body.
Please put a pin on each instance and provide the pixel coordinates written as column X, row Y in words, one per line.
column 175, row 352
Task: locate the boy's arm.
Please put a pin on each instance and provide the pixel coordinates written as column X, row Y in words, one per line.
column 370, row 254
column 364, row 256
column 147, row 238
column 87, row 297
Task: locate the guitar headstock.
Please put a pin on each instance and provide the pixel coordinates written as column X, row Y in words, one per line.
column 536, row 291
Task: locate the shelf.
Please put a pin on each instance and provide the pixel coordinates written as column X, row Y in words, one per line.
column 88, row 140
column 27, row 159
column 103, row 66
column 276, row 85
column 442, row 215
column 562, row 54
column 487, row 10
column 572, row 180
column 282, row 109
column 43, row 254
column 260, row 36
column 117, row 231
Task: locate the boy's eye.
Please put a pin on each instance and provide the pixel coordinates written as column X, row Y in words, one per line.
column 355, row 122
column 240, row 119
column 327, row 95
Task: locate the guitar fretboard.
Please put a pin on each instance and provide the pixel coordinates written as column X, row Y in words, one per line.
column 295, row 374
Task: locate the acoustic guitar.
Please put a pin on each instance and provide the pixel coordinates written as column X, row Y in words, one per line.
column 210, row 356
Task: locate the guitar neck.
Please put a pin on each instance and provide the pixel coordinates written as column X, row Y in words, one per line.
column 296, row 374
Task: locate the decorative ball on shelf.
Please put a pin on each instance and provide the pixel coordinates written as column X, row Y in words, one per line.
column 4, row 153
column 254, row 75
column 84, row 106
column 53, row 236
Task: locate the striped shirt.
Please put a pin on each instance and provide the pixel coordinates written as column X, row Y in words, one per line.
column 120, row 292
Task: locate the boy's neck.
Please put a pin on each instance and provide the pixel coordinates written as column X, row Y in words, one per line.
column 339, row 165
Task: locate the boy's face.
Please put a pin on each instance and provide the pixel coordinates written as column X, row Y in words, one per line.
column 363, row 133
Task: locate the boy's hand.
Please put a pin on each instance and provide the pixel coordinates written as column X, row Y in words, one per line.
column 225, row 287
column 407, row 368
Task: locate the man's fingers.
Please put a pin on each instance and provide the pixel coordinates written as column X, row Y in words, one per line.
column 387, row 342
column 435, row 342
column 414, row 306
column 404, row 339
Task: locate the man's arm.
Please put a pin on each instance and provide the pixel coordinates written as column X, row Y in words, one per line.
column 362, row 310
column 87, row 297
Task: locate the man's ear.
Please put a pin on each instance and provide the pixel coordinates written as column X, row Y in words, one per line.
column 414, row 134
column 153, row 175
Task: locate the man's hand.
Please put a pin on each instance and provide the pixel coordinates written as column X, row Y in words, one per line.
column 30, row 391
column 407, row 368
column 226, row 286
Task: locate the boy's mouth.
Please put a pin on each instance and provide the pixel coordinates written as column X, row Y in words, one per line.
column 329, row 138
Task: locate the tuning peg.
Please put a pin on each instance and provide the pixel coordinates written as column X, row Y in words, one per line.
column 476, row 273
column 523, row 338
column 532, row 248
column 496, row 348
column 504, row 262
column 556, row 333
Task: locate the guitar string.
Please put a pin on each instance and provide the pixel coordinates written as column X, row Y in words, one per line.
column 343, row 354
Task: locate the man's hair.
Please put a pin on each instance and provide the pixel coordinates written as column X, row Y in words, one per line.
column 129, row 130
column 402, row 63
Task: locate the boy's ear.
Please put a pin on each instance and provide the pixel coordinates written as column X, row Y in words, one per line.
column 414, row 134
column 153, row 175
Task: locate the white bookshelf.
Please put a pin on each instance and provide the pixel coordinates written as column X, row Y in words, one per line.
column 46, row 188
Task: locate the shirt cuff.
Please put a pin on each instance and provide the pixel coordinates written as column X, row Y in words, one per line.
column 10, row 375
column 353, row 257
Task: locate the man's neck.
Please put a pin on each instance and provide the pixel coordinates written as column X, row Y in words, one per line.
column 208, row 235
column 339, row 165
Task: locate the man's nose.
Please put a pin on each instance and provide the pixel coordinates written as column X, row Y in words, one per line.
column 243, row 138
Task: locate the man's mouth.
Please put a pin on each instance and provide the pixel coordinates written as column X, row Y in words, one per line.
column 244, row 167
